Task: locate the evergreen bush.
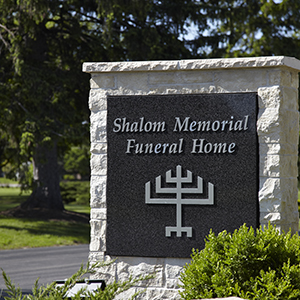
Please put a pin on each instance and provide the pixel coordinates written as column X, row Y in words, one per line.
column 78, row 191
column 259, row 264
column 54, row 292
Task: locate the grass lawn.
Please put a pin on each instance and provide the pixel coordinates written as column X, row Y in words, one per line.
column 4, row 180
column 27, row 233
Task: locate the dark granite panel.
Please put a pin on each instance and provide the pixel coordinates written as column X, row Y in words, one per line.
column 135, row 228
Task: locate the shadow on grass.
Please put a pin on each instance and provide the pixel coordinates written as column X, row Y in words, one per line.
column 20, row 233
column 12, row 201
column 38, row 227
column 8, row 202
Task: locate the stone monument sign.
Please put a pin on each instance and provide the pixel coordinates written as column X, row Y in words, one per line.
column 177, row 166
column 182, row 147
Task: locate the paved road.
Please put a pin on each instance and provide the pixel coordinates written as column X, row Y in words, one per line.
column 24, row 266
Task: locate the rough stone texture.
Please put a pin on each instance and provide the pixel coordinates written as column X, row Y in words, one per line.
column 201, row 64
column 275, row 79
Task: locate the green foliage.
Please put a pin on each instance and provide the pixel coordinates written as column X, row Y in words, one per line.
column 255, row 265
column 77, row 161
column 248, row 28
column 43, row 91
column 44, row 43
column 25, row 175
column 54, row 292
column 78, row 191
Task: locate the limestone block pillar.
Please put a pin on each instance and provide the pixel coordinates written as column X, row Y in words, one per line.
column 274, row 79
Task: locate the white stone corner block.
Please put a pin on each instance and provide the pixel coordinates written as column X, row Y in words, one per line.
column 140, row 266
column 98, row 148
column 278, row 165
column 98, row 126
column 106, row 272
column 278, row 96
column 98, row 236
column 173, row 269
column 97, row 100
column 269, row 97
column 98, row 164
column 95, row 243
column 278, row 148
column 98, row 214
column 95, row 257
column 98, row 228
column 98, row 191
column 277, row 188
column 268, row 121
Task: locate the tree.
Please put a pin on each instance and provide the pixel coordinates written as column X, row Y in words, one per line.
column 43, row 107
column 45, row 94
column 146, row 29
column 249, row 28
column 44, row 45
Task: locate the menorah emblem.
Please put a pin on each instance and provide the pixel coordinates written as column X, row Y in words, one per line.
column 179, row 190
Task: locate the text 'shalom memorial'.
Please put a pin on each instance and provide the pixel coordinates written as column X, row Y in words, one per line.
column 182, row 147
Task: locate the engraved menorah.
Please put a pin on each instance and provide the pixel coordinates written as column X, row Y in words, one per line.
column 179, row 190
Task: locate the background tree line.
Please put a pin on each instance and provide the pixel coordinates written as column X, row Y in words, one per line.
column 43, row 43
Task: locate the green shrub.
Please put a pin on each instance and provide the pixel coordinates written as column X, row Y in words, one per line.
column 78, row 191
column 260, row 265
column 54, row 292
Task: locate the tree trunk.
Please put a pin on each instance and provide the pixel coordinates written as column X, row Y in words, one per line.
column 46, row 177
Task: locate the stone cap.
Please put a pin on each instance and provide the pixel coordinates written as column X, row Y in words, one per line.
column 192, row 64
